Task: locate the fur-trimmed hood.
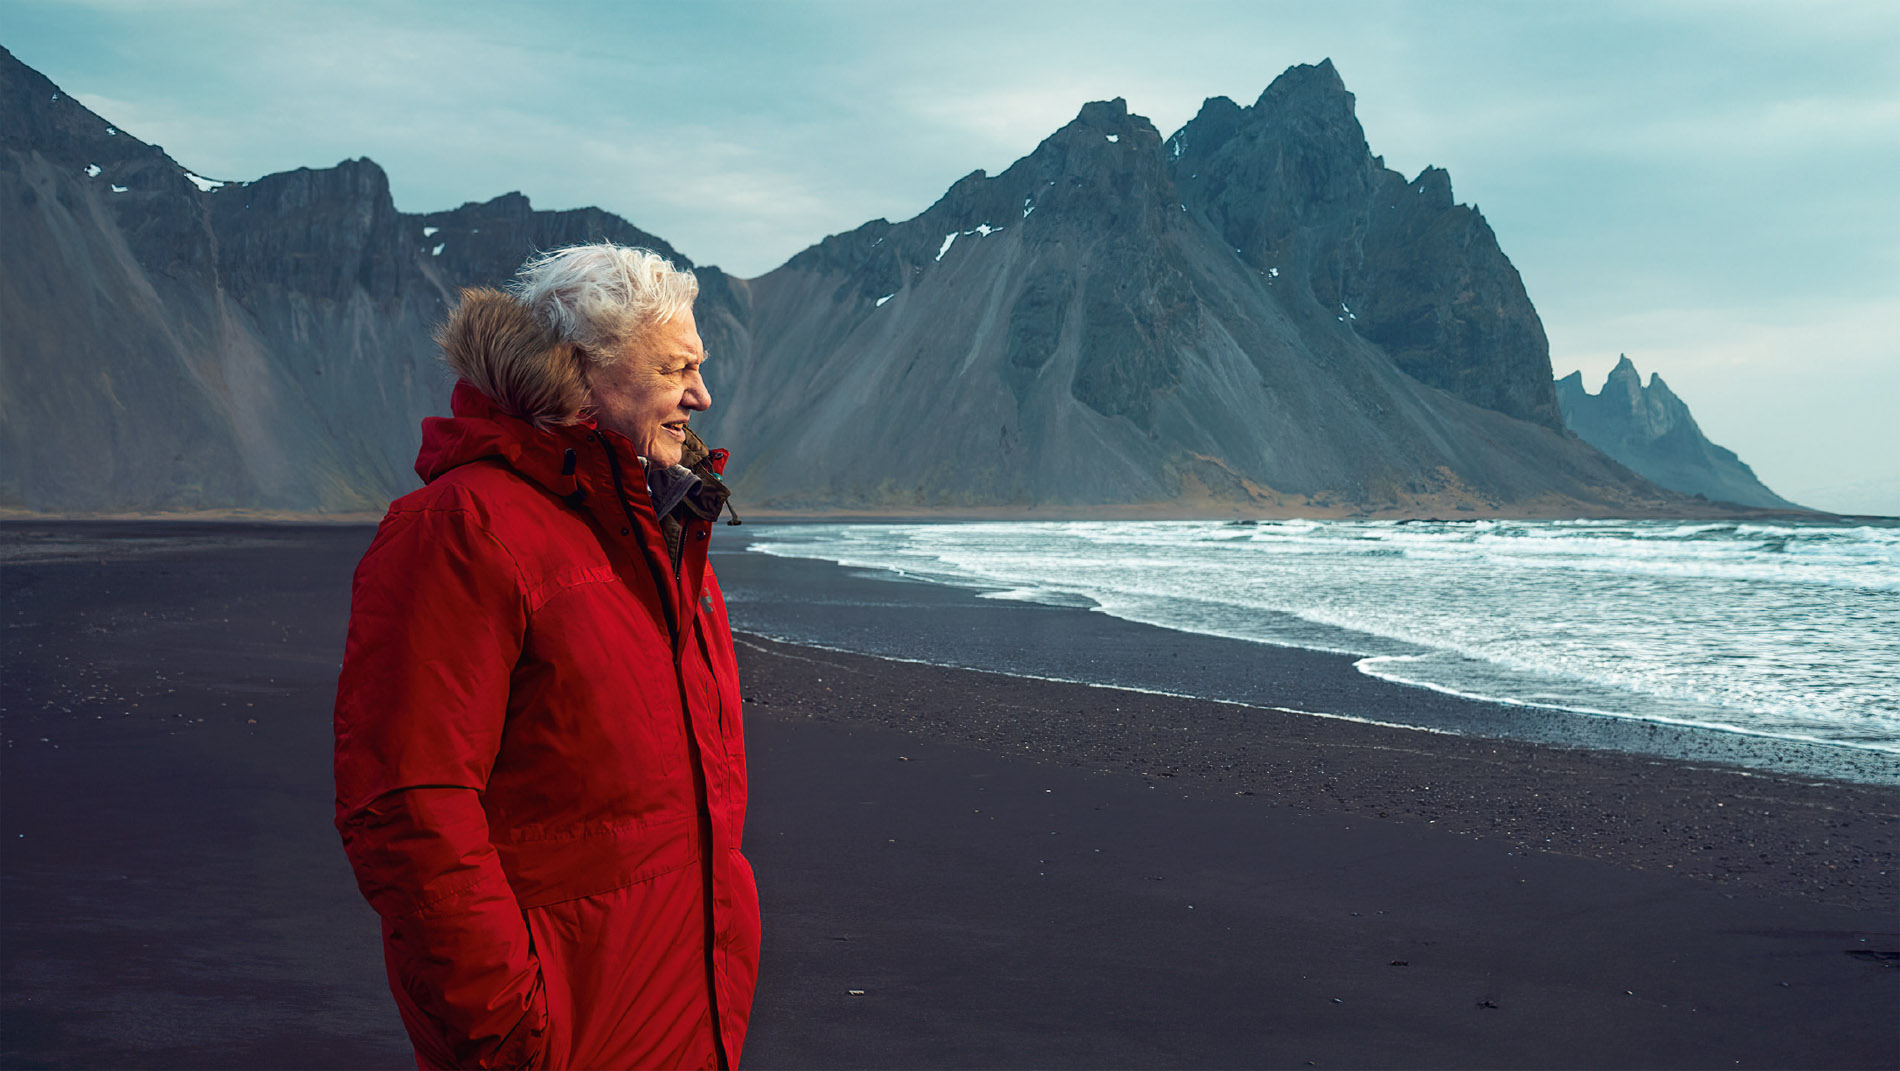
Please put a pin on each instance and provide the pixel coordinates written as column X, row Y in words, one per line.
column 495, row 343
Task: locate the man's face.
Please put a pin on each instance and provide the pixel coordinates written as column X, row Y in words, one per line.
column 655, row 387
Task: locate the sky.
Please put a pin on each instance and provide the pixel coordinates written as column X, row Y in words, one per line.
column 1712, row 189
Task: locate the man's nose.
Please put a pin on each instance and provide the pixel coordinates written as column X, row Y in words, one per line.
column 697, row 396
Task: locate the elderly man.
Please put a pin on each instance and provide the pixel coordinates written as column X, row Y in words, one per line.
column 540, row 771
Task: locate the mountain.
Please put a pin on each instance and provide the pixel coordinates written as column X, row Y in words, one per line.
column 1254, row 315
column 1650, row 430
column 177, row 343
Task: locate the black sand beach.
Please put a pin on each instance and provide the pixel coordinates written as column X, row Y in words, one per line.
column 1010, row 872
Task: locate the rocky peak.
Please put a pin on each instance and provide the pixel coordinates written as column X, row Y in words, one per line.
column 1102, row 113
column 488, row 240
column 1257, row 307
column 1111, row 122
column 1316, row 84
column 325, row 232
column 1309, row 103
column 1651, row 430
column 1665, row 398
column 1213, row 126
column 1433, row 186
column 1101, row 170
column 1655, row 409
column 1622, row 390
column 1298, row 147
column 1346, row 244
column 350, row 180
column 1100, row 177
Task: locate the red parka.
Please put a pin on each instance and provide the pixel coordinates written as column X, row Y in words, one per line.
column 540, row 771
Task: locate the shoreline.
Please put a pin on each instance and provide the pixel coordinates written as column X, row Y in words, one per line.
column 820, row 603
column 1823, row 746
column 1832, row 841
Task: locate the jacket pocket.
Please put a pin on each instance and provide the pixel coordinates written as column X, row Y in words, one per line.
column 526, row 1046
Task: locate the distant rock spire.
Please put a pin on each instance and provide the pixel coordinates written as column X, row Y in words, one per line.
column 1651, row 430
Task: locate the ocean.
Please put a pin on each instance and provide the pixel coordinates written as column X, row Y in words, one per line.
column 1788, row 631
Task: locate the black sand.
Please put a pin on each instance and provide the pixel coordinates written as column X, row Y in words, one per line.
column 1003, row 867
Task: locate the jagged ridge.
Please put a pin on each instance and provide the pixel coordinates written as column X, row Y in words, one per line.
column 1222, row 317
column 1220, row 322
column 174, row 343
column 1650, row 430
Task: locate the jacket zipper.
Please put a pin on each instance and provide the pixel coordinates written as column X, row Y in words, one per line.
column 633, row 526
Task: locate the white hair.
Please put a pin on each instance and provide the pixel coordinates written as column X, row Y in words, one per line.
column 599, row 297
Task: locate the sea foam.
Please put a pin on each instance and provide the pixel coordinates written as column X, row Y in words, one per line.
column 1788, row 631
